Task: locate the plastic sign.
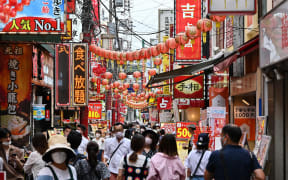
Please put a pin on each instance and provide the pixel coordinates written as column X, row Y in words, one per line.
column 191, row 88
column 231, row 7
column 187, row 14
column 38, row 17
column 182, row 130
column 79, row 74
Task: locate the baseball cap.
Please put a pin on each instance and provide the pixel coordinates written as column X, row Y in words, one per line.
column 203, row 140
column 191, row 126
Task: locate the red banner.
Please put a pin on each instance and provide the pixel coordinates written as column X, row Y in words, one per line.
column 182, row 130
column 169, row 128
column 191, row 88
column 164, row 103
column 187, row 14
column 95, row 111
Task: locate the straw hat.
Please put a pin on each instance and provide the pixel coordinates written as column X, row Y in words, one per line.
column 58, row 142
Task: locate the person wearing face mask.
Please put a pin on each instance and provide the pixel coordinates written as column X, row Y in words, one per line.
column 58, row 156
column 232, row 161
column 115, row 149
column 13, row 157
column 101, row 143
column 151, row 140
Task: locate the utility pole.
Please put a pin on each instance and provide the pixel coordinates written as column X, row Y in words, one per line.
column 110, row 14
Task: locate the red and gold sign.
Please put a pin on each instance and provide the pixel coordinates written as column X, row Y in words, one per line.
column 95, row 111
column 182, row 130
column 191, row 88
column 79, row 75
column 187, row 14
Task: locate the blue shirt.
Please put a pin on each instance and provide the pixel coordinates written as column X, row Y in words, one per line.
column 238, row 162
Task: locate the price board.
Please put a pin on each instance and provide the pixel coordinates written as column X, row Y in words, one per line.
column 169, row 128
column 182, row 130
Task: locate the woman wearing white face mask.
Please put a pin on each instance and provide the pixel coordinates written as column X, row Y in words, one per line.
column 101, row 143
column 58, row 156
column 12, row 156
column 151, row 140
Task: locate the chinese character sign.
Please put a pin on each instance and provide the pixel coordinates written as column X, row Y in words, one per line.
column 191, row 88
column 79, row 74
column 164, row 103
column 15, row 90
column 62, row 76
column 41, row 16
column 187, row 14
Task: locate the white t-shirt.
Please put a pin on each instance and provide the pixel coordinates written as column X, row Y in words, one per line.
column 100, row 142
column 46, row 173
column 193, row 159
column 34, row 164
column 139, row 162
column 83, row 145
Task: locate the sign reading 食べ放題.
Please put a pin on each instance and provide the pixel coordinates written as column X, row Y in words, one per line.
column 28, row 17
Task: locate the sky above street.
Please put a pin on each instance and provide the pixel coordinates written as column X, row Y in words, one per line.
column 144, row 15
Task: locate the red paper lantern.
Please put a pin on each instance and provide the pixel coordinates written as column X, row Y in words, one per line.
column 116, row 91
column 159, row 92
column 151, row 94
column 130, row 56
column 101, row 52
column 204, row 25
column 107, row 87
column 171, row 43
column 136, row 86
column 161, row 47
column 133, row 94
column 157, row 61
column 151, row 72
column 125, row 93
column 123, row 56
column 146, row 96
column 192, row 32
column 181, row 39
column 142, row 94
column 105, row 81
column 137, row 74
column 126, row 85
column 122, row 76
column 93, row 80
column 148, row 53
column 136, row 55
column 154, row 51
column 108, row 75
column 116, row 84
column 142, row 54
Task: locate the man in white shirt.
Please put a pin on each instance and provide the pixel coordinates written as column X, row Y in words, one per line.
column 115, row 149
column 82, row 148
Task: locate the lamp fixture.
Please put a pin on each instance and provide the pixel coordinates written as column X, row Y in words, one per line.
column 245, row 102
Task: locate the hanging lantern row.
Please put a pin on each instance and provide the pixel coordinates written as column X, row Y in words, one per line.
column 192, row 32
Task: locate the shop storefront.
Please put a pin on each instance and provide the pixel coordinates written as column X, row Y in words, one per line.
column 274, row 64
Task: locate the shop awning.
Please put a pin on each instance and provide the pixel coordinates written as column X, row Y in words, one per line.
column 218, row 63
column 190, row 70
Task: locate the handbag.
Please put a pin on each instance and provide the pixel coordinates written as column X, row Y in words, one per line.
column 114, row 152
column 199, row 162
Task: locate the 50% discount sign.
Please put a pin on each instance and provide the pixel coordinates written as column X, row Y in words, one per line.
column 182, row 130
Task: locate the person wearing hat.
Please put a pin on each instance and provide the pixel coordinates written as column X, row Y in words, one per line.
column 58, row 156
column 191, row 129
column 151, row 140
column 198, row 159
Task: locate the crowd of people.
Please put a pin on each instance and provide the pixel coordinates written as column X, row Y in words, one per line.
column 130, row 152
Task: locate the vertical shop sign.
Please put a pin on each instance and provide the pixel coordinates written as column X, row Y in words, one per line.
column 245, row 118
column 15, row 91
column 187, row 14
column 79, row 75
column 62, row 82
